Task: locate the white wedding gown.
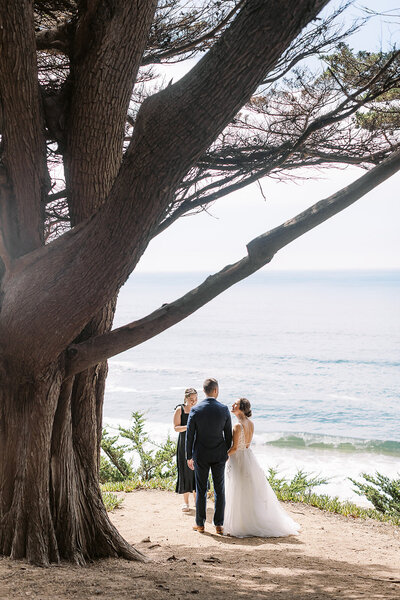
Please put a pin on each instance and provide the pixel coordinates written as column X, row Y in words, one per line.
column 252, row 508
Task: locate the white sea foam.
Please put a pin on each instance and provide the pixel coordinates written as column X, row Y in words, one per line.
column 346, row 397
column 113, row 389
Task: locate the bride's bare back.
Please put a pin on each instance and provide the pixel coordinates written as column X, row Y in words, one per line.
column 242, row 435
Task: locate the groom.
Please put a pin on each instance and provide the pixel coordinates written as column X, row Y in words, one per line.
column 208, row 438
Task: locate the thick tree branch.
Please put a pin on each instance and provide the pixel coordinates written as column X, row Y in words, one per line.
column 81, row 356
column 260, row 252
column 205, row 100
column 107, row 51
column 23, row 144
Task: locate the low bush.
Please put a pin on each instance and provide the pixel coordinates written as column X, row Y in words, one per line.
column 381, row 491
column 155, row 461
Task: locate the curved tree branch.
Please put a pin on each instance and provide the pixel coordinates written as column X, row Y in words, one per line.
column 260, row 252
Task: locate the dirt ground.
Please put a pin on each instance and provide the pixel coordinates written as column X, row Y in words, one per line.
column 333, row 557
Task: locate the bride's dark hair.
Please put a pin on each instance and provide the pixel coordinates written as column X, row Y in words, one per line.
column 245, row 406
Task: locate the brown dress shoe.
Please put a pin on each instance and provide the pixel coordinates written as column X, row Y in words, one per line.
column 219, row 529
column 199, row 528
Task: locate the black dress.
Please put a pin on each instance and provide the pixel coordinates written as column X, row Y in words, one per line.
column 185, row 482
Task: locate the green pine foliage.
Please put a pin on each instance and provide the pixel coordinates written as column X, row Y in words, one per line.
column 115, row 467
column 381, row 491
column 353, row 70
column 155, row 461
column 301, row 483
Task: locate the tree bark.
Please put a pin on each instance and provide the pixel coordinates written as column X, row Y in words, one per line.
column 105, row 57
column 50, row 499
column 87, row 393
column 102, row 76
column 82, row 527
column 23, row 143
column 27, row 529
column 107, row 50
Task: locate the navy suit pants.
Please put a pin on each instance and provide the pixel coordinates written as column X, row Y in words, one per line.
column 201, row 471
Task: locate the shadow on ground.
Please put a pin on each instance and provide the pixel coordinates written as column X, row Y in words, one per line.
column 272, row 570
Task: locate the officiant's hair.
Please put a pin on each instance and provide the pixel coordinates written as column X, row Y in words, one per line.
column 245, row 406
column 210, row 385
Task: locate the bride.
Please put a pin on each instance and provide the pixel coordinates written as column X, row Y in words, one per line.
column 252, row 508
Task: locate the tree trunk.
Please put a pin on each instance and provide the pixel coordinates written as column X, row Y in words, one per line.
column 27, row 528
column 50, row 500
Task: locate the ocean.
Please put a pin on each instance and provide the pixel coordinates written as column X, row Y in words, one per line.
column 316, row 353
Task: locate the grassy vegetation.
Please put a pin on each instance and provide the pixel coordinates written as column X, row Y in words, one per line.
column 300, row 489
column 340, row 507
column 111, row 501
column 129, row 485
column 286, row 491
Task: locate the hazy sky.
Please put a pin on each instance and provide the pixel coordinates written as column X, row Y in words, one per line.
column 366, row 235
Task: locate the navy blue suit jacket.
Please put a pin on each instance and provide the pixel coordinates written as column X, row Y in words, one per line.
column 209, row 432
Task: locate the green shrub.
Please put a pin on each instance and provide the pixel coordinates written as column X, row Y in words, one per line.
column 158, row 461
column 300, row 489
column 111, row 501
column 155, row 460
column 108, row 472
column 129, row 485
column 381, row 491
column 302, row 483
column 115, row 467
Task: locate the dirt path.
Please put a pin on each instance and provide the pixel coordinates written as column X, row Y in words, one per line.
column 333, row 557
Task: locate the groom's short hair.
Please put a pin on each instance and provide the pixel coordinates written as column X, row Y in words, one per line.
column 210, row 385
